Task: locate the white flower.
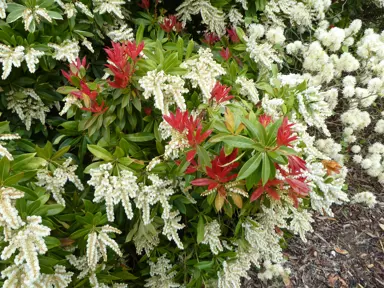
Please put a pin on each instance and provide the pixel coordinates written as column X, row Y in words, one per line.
column 28, row 106
column 84, row 9
column 367, row 198
column 212, row 233
column 166, row 89
column 9, row 215
column 109, row 6
column 235, row 17
column 275, row 35
column 122, row 34
column 98, row 242
column 356, row 149
column 3, row 8
column 248, row 89
column 54, row 182
column 272, row 271
column 87, row 44
column 148, row 195
column 146, row 238
column 68, row 50
column 114, row 189
column 32, row 59
column 161, row 276
column 211, row 16
column 203, row 72
column 10, row 56
column 171, row 225
column 301, row 223
column 29, row 242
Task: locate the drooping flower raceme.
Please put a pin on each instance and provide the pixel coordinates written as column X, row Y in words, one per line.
column 114, row 189
column 54, row 182
column 166, row 89
column 202, row 72
column 29, row 242
column 212, row 232
column 161, row 276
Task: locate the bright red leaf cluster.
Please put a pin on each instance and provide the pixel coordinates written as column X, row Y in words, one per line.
column 233, row 35
column 210, row 38
column 144, row 4
column 170, row 23
column 122, row 59
column 77, row 70
column 220, row 93
column 219, row 173
column 184, row 123
column 284, row 134
column 90, row 99
column 225, row 54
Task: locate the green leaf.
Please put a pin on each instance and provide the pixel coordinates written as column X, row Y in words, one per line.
column 52, row 242
column 140, row 33
column 204, row 265
column 60, row 153
column 79, row 233
column 256, row 129
column 237, row 141
column 140, row 137
column 93, row 166
column 14, row 15
column 266, row 168
column 250, row 166
column 190, row 47
column 66, row 89
column 12, row 180
column 4, row 168
column 57, row 16
column 203, row 157
column 100, row 152
column 200, row 230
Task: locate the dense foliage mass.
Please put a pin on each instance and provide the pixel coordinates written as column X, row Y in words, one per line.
column 178, row 143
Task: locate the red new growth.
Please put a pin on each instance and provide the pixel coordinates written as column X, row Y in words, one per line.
column 270, row 188
column 171, row 22
column 233, row 35
column 220, row 93
column 75, row 70
column 144, row 4
column 210, row 38
column 225, row 53
column 219, row 173
column 184, row 123
column 265, row 120
column 284, row 134
column 119, row 64
column 89, row 99
column 296, row 164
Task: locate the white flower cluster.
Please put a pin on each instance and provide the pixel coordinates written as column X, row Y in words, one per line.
column 330, row 148
column 18, row 277
column 9, row 216
column 330, row 188
column 161, row 276
column 177, row 143
column 212, row 233
column 121, row 34
column 10, row 56
column 301, row 223
column 166, row 89
column 55, row 182
column 171, row 226
column 211, row 16
column 67, row 50
column 146, row 238
column 248, row 89
column 3, row 8
column 314, row 108
column 114, row 189
column 109, row 6
column 33, row 16
column 367, row 198
column 28, row 240
column 4, row 151
column 97, row 244
column 272, row 271
column 373, row 162
column 202, row 72
column 263, row 53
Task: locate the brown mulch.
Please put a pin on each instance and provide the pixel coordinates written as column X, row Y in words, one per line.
column 345, row 251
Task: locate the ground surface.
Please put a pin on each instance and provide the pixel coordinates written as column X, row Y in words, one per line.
column 346, row 250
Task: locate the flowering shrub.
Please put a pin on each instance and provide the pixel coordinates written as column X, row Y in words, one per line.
column 165, row 157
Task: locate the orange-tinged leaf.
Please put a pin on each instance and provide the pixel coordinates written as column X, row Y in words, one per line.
column 219, row 202
column 237, row 200
column 239, row 129
column 66, row 242
column 331, row 166
column 229, row 120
